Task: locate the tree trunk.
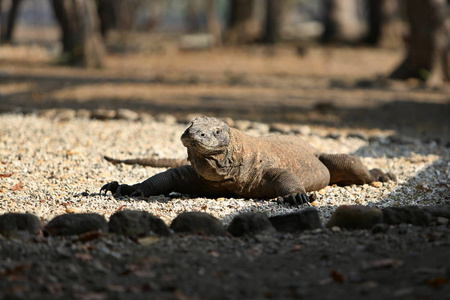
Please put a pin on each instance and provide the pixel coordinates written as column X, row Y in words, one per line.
column 240, row 27
column 341, row 21
column 213, row 21
column 428, row 45
column 82, row 43
column 2, row 21
column 375, row 8
column 121, row 14
column 8, row 30
column 107, row 16
column 193, row 23
column 385, row 25
column 125, row 11
column 274, row 21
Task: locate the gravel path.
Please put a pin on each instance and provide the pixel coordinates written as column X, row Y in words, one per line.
column 51, row 167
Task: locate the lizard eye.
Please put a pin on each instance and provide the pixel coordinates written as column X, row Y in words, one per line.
column 218, row 131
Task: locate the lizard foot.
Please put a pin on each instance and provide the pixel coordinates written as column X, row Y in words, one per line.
column 379, row 175
column 295, row 199
column 121, row 189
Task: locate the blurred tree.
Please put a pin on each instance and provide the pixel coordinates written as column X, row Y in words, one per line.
column 375, row 8
column 193, row 22
column 107, row 15
column 428, row 43
column 274, row 18
column 200, row 11
column 82, row 43
column 213, row 21
column 127, row 15
column 8, row 28
column 240, row 23
column 341, row 21
column 385, row 24
column 117, row 14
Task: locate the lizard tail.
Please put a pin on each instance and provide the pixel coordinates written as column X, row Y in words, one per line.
column 150, row 162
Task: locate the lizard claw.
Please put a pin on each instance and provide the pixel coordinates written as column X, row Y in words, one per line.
column 112, row 187
column 379, row 175
column 121, row 189
column 294, row 199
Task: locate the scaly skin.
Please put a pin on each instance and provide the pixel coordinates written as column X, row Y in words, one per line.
column 225, row 162
column 150, row 162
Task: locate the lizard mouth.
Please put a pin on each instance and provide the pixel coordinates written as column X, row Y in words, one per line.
column 198, row 146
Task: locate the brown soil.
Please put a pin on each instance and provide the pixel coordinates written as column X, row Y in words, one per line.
column 404, row 263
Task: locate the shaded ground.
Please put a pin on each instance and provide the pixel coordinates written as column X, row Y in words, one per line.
column 405, row 263
column 336, row 87
column 330, row 88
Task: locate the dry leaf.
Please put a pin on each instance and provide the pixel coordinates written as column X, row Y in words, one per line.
column 376, row 184
column 213, row 253
column 116, row 288
column 338, row 276
column 90, row 235
column 325, row 281
column 296, row 248
column 73, row 210
column 383, row 263
column 436, row 282
column 148, row 241
column 121, row 208
column 72, row 152
column 84, row 256
column 17, row 187
column 4, row 175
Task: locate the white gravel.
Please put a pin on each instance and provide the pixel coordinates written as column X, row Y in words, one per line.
column 46, row 165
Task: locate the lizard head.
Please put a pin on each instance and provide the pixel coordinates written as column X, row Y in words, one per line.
column 207, row 136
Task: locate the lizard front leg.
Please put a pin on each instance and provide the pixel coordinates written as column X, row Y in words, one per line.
column 183, row 180
column 284, row 185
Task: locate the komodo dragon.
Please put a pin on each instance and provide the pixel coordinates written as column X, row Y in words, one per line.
column 225, row 162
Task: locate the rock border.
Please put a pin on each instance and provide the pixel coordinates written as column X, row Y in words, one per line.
column 141, row 224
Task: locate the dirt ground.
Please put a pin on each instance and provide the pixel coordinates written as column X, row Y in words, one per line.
column 404, row 263
column 331, row 88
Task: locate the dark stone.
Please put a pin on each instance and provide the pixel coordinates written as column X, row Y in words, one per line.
column 441, row 210
column 305, row 219
column 137, row 224
column 333, row 136
column 103, row 114
column 407, row 214
column 250, row 224
column 127, row 114
column 75, row 224
column 357, row 135
column 280, row 127
column 380, row 228
column 197, row 223
column 355, row 217
column 401, row 140
column 15, row 224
